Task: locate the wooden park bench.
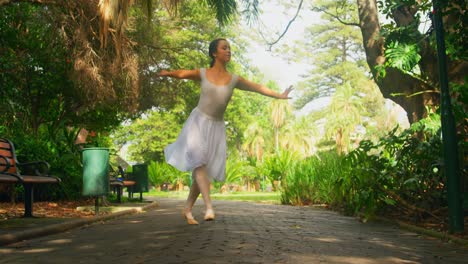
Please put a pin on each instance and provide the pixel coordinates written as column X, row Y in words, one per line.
column 28, row 174
column 140, row 176
column 136, row 181
column 118, row 182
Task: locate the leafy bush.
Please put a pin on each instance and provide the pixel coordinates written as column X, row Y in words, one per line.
column 311, row 181
column 401, row 173
column 161, row 172
column 237, row 170
column 398, row 172
column 275, row 167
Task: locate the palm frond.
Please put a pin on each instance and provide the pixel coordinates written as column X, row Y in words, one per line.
column 225, row 9
column 250, row 10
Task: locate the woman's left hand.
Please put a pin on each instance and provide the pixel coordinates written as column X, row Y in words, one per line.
column 285, row 94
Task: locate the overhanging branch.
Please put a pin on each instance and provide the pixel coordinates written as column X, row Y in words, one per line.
column 286, row 29
column 335, row 16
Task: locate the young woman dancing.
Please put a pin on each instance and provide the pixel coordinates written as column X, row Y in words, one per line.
column 201, row 145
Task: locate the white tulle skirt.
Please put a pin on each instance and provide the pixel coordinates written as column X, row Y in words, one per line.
column 202, row 141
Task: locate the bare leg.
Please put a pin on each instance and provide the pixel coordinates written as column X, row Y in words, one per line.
column 201, row 177
column 191, row 199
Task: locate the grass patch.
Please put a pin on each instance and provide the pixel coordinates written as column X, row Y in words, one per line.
column 112, row 198
column 259, row 197
column 171, row 194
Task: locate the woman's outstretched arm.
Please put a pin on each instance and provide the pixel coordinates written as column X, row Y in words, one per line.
column 247, row 85
column 181, row 74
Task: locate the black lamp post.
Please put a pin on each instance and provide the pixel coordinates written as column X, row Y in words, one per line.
column 449, row 136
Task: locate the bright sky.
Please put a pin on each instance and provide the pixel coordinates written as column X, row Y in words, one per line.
column 275, row 18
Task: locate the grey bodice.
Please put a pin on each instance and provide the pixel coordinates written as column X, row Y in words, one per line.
column 215, row 98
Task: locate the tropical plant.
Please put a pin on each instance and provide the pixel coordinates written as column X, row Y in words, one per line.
column 299, row 137
column 312, row 180
column 254, row 141
column 276, row 166
column 160, row 173
column 280, row 113
column 236, row 169
column 400, row 172
column 344, row 116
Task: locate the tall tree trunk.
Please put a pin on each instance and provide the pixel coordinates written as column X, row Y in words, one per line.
column 276, row 139
column 395, row 81
column 339, row 141
column 412, row 94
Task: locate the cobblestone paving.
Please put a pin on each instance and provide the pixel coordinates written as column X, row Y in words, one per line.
column 242, row 233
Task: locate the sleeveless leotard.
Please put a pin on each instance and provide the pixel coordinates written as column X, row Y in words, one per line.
column 215, row 98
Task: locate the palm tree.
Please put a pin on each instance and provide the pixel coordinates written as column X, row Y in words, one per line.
column 299, row 137
column 344, row 116
column 254, row 141
column 280, row 110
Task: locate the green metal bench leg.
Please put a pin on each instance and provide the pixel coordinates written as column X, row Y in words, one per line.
column 28, row 200
column 119, row 193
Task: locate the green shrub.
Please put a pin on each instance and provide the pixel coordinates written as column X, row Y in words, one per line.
column 276, row 166
column 400, row 172
column 161, row 172
column 311, row 181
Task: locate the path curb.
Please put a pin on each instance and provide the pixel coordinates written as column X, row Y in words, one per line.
column 423, row 231
column 62, row 227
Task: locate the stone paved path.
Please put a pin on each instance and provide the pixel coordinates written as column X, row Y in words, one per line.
column 242, row 233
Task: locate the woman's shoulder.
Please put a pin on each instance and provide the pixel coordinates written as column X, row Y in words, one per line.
column 235, row 77
column 201, row 73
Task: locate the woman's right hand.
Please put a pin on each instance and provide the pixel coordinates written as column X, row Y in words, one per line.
column 163, row 73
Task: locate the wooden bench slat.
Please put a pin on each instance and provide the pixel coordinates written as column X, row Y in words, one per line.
column 39, row 179
column 129, row 183
column 4, row 145
column 9, row 179
column 7, row 153
column 122, row 183
column 116, row 183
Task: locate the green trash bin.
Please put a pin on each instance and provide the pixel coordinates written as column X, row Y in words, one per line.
column 140, row 176
column 95, row 171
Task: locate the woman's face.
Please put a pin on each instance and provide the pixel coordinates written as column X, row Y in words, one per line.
column 223, row 51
